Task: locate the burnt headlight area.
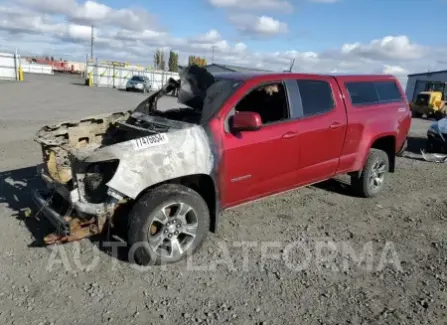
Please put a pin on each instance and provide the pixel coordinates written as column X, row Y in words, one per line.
column 96, row 176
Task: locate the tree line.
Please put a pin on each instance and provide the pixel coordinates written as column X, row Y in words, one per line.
column 160, row 61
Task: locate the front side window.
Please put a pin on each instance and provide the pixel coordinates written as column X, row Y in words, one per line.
column 268, row 100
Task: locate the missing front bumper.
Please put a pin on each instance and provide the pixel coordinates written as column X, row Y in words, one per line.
column 67, row 227
column 72, row 217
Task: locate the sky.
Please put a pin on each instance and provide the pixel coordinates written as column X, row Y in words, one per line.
column 323, row 36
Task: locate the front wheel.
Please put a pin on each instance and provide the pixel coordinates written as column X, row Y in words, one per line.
column 372, row 178
column 167, row 224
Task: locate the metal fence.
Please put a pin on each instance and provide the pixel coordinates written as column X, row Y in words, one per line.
column 9, row 66
column 104, row 75
column 36, row 68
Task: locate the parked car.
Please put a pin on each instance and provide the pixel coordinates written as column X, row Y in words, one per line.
column 437, row 137
column 139, row 83
column 242, row 137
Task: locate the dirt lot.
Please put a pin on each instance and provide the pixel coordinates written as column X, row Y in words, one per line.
column 404, row 231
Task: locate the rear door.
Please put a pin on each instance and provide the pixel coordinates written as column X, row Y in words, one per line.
column 322, row 127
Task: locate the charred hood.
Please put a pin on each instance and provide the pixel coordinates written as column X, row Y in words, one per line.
column 192, row 90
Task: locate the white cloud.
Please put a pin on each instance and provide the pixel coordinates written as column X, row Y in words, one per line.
column 387, row 48
column 276, row 5
column 56, row 28
column 210, row 37
column 394, row 69
column 91, row 12
column 258, row 26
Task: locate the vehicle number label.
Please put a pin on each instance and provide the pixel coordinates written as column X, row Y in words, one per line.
column 150, row 141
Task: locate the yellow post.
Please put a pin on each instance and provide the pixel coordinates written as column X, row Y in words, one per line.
column 90, row 79
column 20, row 73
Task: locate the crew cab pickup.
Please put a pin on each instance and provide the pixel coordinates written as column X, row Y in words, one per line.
column 169, row 173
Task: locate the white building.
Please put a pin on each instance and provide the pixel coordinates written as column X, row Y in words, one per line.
column 416, row 82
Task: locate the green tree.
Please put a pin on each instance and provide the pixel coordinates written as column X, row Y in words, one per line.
column 159, row 60
column 196, row 60
column 173, row 61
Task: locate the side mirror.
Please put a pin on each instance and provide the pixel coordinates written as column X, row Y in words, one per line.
column 246, row 121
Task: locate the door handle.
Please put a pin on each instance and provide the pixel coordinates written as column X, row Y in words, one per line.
column 290, row 135
column 335, row 125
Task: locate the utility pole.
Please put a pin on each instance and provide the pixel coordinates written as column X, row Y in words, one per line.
column 92, row 39
column 212, row 55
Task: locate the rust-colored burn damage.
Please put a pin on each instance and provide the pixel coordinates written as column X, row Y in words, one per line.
column 78, row 230
column 59, row 140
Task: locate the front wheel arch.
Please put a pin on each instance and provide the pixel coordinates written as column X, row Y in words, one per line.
column 203, row 184
column 150, row 209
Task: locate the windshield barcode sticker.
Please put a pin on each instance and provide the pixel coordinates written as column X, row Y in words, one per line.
column 150, row 141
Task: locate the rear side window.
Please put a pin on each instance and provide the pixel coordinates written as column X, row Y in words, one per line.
column 373, row 92
column 388, row 91
column 316, row 96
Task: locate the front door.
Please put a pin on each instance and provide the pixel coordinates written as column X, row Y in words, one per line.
column 263, row 162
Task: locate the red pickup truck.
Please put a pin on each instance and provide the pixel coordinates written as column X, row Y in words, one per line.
column 239, row 138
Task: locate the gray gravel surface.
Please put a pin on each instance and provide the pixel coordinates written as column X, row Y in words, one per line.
column 313, row 279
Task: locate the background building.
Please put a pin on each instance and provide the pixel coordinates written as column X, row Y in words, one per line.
column 416, row 82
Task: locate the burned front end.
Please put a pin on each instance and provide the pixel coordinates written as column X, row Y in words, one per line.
column 77, row 200
column 94, row 166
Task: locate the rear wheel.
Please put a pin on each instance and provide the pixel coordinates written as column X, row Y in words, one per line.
column 167, row 224
column 371, row 180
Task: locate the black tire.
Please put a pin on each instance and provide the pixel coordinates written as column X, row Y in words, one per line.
column 417, row 115
column 143, row 215
column 361, row 182
column 438, row 116
column 430, row 146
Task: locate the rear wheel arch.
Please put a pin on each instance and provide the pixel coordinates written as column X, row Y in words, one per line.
column 370, row 181
column 387, row 144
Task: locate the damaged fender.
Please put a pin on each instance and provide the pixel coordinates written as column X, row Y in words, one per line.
column 146, row 161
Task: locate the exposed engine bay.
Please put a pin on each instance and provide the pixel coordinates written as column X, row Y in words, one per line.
column 80, row 139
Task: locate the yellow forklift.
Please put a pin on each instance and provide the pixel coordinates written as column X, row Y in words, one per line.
column 431, row 101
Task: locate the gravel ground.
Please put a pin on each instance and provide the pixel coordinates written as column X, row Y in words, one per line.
column 304, row 264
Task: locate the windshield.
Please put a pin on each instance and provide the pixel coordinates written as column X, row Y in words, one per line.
column 137, row 78
column 216, row 96
column 199, row 96
column 434, row 86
